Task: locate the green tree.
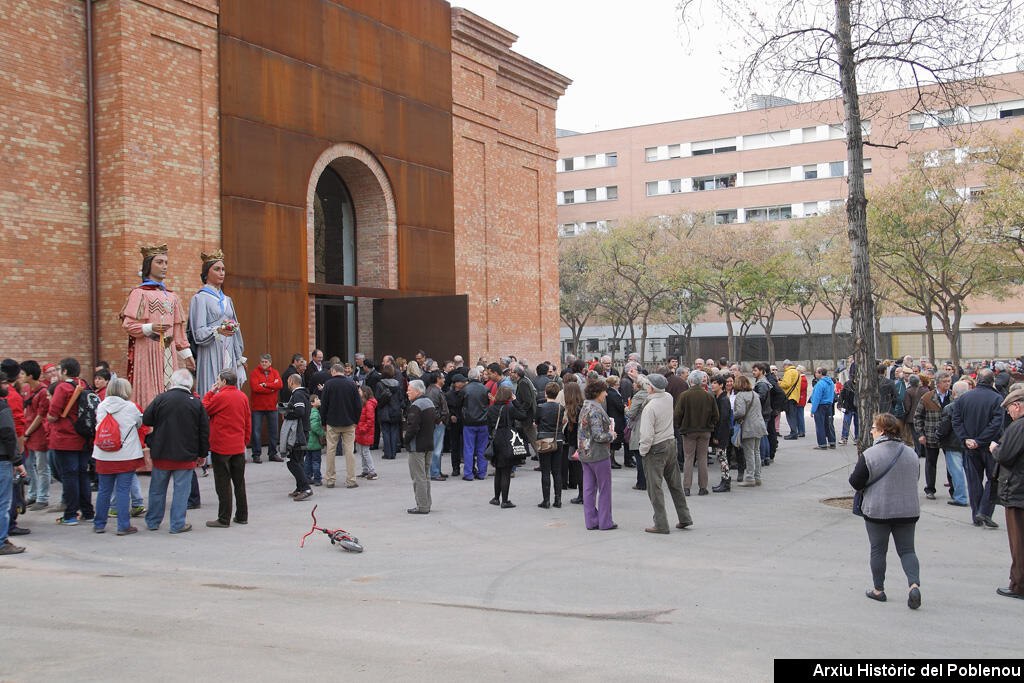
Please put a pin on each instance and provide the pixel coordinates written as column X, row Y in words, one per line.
column 577, row 274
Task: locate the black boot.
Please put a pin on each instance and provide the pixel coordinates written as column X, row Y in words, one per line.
column 558, row 501
column 724, row 487
column 615, row 465
column 544, row 504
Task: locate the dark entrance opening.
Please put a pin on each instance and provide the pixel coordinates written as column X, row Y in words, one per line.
column 334, row 238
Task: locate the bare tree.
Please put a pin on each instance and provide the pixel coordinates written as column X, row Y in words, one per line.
column 814, row 49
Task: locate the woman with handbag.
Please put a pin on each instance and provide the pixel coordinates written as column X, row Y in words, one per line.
column 746, row 412
column 886, row 479
column 549, row 445
column 596, row 434
column 505, row 443
column 572, row 470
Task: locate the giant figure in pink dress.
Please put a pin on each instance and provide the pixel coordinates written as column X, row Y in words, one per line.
column 155, row 322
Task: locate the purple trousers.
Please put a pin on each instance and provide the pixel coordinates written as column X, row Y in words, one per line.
column 597, row 488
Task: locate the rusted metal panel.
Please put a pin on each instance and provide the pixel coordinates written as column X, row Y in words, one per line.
column 424, row 262
column 427, row 20
column 352, row 44
column 426, row 199
column 417, row 133
column 292, row 28
column 270, row 164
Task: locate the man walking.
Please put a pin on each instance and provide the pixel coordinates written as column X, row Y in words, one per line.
column 340, row 407
column 230, row 428
column 978, row 421
column 419, row 439
column 658, row 452
column 179, row 438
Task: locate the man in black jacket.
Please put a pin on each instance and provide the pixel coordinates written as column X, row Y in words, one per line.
column 474, row 427
column 765, row 382
column 315, row 365
column 294, row 433
column 1010, row 456
column 526, row 398
column 886, row 391
column 340, row 407
column 180, row 437
column 419, row 439
column 455, row 398
column 298, row 367
column 978, row 421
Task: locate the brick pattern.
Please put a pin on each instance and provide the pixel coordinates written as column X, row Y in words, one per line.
column 506, row 243
column 157, row 158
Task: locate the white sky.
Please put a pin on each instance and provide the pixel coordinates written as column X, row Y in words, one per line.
column 626, row 59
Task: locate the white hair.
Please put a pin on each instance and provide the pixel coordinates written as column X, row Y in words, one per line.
column 960, row 388
column 418, row 386
column 696, row 378
column 474, row 373
column 181, row 379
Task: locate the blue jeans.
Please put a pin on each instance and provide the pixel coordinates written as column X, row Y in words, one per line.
column 6, row 493
column 848, row 417
column 824, row 425
column 435, row 458
column 158, row 497
column 38, row 464
column 389, row 439
column 74, row 469
column 137, row 501
column 474, row 441
column 802, row 429
column 791, row 417
column 120, row 485
column 955, row 467
column 51, row 458
column 258, row 416
column 313, row 466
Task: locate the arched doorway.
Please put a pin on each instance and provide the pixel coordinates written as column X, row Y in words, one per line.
column 352, row 241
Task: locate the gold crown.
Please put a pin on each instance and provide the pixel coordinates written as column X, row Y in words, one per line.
column 214, row 256
column 153, row 251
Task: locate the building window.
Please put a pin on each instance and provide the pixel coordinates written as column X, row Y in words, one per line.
column 719, row 146
column 591, row 225
column 611, row 159
column 652, row 188
column 767, row 175
column 835, row 169
column 835, row 204
column 652, row 153
column 567, row 164
column 810, row 208
column 674, row 151
column 675, row 186
column 591, row 194
column 915, row 121
column 725, row 217
column 810, row 172
column 567, row 229
column 757, row 215
column 769, row 213
column 1010, row 113
column 590, row 161
column 720, row 181
column 809, row 134
column 867, row 166
column 945, row 118
column 569, row 197
column 613, row 192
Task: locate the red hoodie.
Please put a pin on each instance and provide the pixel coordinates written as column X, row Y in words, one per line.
column 364, row 430
column 230, row 420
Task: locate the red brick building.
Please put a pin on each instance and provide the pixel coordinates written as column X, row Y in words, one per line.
column 349, row 157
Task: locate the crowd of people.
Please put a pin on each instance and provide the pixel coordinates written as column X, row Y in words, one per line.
column 668, row 423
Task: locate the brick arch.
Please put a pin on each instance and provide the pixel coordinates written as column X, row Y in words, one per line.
column 376, row 227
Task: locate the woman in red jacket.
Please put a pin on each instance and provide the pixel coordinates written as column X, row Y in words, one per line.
column 230, row 427
column 364, row 432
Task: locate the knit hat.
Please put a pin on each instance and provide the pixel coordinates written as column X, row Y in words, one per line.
column 10, row 369
column 659, row 382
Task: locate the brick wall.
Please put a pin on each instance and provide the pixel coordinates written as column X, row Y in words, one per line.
column 506, row 252
column 156, row 133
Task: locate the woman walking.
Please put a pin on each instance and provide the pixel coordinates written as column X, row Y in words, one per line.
column 501, row 417
column 887, row 475
column 747, row 412
column 117, row 458
column 596, row 433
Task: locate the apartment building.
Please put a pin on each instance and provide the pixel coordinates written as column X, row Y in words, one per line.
column 765, row 164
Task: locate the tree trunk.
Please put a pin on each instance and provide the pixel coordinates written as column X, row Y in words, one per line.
column 643, row 335
column 768, row 338
column 929, row 326
column 835, row 343
column 731, row 343
column 862, row 302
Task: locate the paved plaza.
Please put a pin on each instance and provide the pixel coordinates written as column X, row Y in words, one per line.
column 474, row 592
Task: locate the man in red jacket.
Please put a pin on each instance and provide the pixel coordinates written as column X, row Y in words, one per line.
column 265, row 383
column 68, row 445
column 230, row 428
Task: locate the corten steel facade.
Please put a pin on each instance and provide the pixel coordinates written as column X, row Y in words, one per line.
column 214, row 121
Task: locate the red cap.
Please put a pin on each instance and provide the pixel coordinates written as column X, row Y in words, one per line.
column 48, row 366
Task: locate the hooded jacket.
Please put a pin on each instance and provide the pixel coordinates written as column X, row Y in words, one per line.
column 128, row 419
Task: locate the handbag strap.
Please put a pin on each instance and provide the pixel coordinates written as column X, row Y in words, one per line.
column 886, row 471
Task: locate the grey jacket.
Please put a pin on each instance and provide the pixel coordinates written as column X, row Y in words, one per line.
column 747, row 412
column 633, row 413
column 894, row 496
column 657, row 425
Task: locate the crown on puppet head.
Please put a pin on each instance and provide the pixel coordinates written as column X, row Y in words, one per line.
column 153, row 251
column 213, row 256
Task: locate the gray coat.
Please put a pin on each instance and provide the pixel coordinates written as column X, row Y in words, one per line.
column 633, row 413
column 894, row 496
column 747, row 412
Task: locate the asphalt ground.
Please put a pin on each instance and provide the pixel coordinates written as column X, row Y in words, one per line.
column 472, row 591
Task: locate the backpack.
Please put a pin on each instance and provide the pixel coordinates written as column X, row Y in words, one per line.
column 383, row 394
column 85, row 422
column 777, row 397
column 108, row 434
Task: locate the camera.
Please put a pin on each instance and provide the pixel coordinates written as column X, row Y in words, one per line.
column 20, row 479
